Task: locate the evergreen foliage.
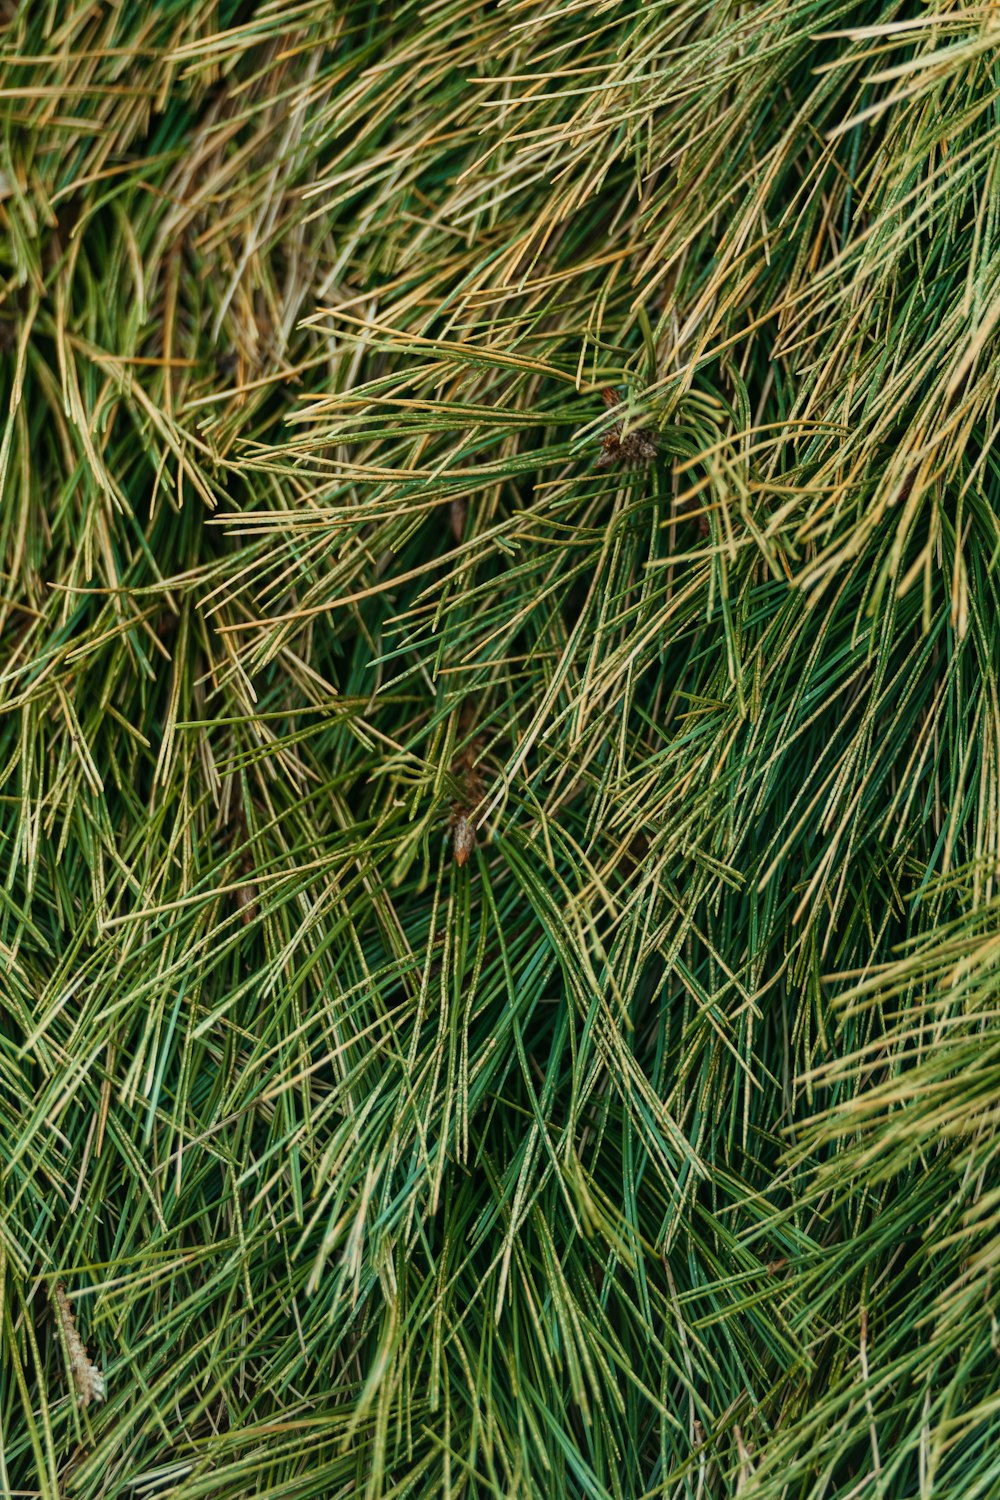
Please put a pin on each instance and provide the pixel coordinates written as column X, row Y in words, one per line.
column 499, row 749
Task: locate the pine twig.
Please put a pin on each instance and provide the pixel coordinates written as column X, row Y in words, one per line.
column 87, row 1378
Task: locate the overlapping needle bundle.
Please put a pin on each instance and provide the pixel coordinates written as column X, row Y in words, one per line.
column 499, row 749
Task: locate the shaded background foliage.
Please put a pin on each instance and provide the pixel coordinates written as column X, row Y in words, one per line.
column 652, row 1150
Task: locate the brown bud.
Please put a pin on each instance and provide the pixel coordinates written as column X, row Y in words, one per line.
column 463, row 839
